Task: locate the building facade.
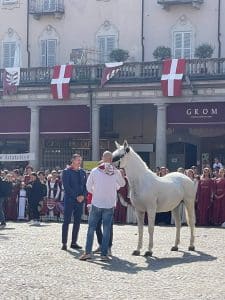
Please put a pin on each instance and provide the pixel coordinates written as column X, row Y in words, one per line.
column 180, row 131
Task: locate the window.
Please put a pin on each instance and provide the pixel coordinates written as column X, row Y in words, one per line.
column 48, row 53
column 105, row 45
column 182, row 45
column 49, row 5
column 9, row 50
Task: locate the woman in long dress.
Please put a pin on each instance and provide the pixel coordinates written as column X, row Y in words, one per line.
column 218, row 208
column 204, row 198
column 22, row 202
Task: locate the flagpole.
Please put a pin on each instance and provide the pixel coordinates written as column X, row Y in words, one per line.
column 28, row 29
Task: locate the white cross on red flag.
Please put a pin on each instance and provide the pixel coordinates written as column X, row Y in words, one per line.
column 110, row 70
column 60, row 82
column 172, row 74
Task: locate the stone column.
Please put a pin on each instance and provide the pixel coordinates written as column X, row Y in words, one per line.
column 34, row 136
column 95, row 128
column 161, row 153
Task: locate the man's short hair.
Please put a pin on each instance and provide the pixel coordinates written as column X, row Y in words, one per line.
column 107, row 154
column 75, row 156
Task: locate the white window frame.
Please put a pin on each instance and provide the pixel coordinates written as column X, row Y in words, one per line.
column 104, row 54
column 182, row 48
column 11, row 57
column 47, row 55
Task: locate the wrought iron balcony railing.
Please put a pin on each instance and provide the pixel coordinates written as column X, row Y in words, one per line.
column 46, row 7
column 138, row 73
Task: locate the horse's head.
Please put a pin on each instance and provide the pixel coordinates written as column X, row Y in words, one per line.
column 120, row 155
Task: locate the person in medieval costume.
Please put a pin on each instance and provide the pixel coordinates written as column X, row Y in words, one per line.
column 218, row 212
column 53, row 193
column 204, row 199
column 22, row 202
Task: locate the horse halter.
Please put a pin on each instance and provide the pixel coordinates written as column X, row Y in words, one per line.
column 119, row 156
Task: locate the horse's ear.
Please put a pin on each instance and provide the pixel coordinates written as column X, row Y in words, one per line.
column 125, row 144
column 117, row 144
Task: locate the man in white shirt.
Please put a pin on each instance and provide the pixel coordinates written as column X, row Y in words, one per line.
column 217, row 164
column 102, row 183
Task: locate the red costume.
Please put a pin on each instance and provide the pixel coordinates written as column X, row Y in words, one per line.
column 218, row 212
column 204, row 197
column 11, row 204
column 120, row 213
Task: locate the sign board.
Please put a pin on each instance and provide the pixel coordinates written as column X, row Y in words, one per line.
column 89, row 165
column 17, row 157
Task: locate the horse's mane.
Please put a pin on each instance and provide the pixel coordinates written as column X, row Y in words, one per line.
column 140, row 161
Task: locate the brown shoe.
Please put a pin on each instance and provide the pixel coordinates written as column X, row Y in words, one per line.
column 85, row 256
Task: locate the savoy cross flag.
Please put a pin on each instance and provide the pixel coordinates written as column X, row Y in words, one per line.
column 172, row 74
column 60, row 82
column 110, row 70
column 11, row 79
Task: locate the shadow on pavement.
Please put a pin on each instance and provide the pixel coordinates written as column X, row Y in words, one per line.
column 3, row 236
column 155, row 264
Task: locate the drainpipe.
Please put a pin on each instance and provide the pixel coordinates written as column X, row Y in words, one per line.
column 28, row 29
column 142, row 32
column 219, row 32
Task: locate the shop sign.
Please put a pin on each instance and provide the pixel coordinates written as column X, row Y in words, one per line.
column 17, row 157
column 196, row 114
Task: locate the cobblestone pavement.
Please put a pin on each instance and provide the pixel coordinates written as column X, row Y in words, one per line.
column 32, row 266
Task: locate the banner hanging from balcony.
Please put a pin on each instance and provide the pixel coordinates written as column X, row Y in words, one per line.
column 172, row 74
column 11, row 79
column 110, row 70
column 60, row 82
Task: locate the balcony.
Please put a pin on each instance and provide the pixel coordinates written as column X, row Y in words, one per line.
column 166, row 3
column 130, row 73
column 39, row 8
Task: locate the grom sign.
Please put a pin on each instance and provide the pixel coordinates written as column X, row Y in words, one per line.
column 188, row 114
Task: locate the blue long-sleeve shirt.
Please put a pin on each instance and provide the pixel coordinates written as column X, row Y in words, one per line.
column 74, row 182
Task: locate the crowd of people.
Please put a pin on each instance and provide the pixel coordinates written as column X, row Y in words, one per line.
column 35, row 196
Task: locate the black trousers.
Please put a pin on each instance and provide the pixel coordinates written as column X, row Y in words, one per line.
column 33, row 211
column 71, row 207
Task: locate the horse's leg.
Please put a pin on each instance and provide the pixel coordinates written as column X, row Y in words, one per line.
column 151, row 224
column 177, row 220
column 140, row 220
column 190, row 212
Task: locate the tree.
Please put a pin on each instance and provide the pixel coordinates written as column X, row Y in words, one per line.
column 204, row 51
column 162, row 52
column 119, row 55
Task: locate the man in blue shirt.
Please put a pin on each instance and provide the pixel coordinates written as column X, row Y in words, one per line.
column 74, row 182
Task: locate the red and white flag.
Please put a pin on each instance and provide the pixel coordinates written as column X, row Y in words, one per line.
column 11, row 79
column 60, row 82
column 110, row 70
column 172, row 74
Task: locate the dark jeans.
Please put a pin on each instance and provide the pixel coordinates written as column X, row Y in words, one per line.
column 75, row 208
column 2, row 215
column 99, row 233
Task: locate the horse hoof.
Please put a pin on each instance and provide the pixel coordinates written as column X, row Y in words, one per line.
column 148, row 253
column 136, row 253
column 174, row 248
column 191, row 248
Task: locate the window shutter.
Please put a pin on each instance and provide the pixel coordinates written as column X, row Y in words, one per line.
column 177, row 45
column 101, row 49
column 182, row 44
column 187, row 45
column 8, row 54
column 110, row 45
column 43, row 53
column 51, row 52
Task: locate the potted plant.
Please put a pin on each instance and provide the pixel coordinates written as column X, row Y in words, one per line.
column 119, row 55
column 204, row 51
column 162, row 52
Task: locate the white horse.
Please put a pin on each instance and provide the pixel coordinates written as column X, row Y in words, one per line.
column 150, row 193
